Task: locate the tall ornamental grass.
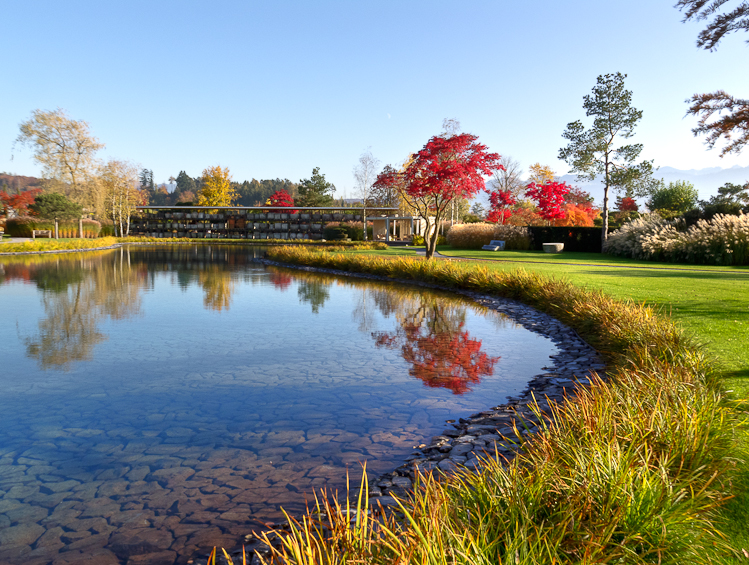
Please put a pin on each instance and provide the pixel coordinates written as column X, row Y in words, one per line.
column 631, row 470
column 722, row 240
column 24, row 225
column 475, row 236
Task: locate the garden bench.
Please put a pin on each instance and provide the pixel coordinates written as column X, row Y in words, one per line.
column 40, row 233
column 495, row 245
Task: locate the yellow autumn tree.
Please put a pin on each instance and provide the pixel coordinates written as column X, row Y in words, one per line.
column 216, row 189
column 541, row 174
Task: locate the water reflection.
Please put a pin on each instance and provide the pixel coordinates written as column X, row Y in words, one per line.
column 171, row 395
column 78, row 294
column 432, row 339
column 430, row 333
column 218, row 287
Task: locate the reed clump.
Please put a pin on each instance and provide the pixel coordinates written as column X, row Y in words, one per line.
column 722, row 240
column 630, row 470
column 475, row 236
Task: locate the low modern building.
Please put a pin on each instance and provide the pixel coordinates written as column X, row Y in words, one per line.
column 266, row 222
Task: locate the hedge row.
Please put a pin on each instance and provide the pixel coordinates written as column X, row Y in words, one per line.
column 23, row 226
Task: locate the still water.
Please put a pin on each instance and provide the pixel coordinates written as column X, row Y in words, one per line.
column 158, row 400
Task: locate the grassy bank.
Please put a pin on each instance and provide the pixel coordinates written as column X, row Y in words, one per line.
column 67, row 244
column 61, row 244
column 632, row 472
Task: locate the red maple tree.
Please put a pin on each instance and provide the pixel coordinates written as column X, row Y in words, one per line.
column 19, row 203
column 449, row 167
column 281, row 198
column 550, row 197
column 501, row 202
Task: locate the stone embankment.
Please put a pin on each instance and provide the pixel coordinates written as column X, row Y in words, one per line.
column 492, row 432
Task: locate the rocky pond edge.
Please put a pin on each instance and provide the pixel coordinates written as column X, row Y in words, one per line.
column 484, row 434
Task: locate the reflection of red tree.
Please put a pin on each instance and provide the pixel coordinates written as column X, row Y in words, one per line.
column 281, row 281
column 17, row 272
column 441, row 359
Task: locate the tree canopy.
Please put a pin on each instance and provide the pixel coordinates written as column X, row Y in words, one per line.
column 65, row 149
column 733, row 125
column 55, row 206
column 675, row 197
column 216, row 189
column 722, row 22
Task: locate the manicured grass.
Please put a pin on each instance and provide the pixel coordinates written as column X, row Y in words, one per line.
column 712, row 303
column 575, row 258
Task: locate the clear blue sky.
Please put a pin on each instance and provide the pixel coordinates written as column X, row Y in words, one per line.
column 273, row 89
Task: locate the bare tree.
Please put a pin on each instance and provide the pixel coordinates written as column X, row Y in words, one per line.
column 451, row 126
column 365, row 173
column 508, row 179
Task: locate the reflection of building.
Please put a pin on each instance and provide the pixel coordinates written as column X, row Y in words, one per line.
column 242, row 222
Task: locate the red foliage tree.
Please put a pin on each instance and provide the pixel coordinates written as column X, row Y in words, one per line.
column 627, row 204
column 550, row 197
column 19, row 203
column 577, row 215
column 579, row 209
column 501, row 202
column 447, row 168
column 281, row 198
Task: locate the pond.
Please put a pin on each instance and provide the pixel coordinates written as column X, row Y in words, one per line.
column 158, row 400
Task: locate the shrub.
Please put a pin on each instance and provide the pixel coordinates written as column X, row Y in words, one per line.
column 419, row 240
column 575, row 238
column 352, row 230
column 331, row 232
column 23, row 226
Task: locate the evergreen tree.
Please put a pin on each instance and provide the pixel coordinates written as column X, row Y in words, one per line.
column 596, row 151
column 55, row 206
column 315, row 191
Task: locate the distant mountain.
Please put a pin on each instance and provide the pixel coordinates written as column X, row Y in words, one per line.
column 13, row 183
column 706, row 181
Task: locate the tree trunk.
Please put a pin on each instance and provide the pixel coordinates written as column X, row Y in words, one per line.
column 605, row 215
column 431, row 236
column 364, row 214
column 57, row 231
column 80, row 228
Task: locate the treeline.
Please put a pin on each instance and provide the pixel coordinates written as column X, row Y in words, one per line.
column 249, row 193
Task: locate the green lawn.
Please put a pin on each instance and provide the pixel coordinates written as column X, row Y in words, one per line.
column 710, row 302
